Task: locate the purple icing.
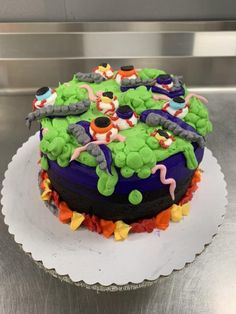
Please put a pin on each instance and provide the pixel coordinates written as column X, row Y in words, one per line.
column 77, row 173
column 124, row 112
column 108, row 155
column 125, row 88
column 167, row 116
column 174, row 93
column 164, row 79
column 85, row 125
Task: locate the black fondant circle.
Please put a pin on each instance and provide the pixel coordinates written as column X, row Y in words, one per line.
column 102, row 122
column 127, row 68
column 41, row 91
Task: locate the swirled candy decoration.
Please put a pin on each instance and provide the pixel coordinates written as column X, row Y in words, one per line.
column 124, row 118
column 172, row 86
column 107, row 103
column 44, row 96
column 128, row 72
column 105, row 70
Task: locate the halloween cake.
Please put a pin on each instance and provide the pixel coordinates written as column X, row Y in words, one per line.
column 120, row 150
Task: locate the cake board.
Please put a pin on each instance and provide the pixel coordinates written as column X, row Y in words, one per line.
column 87, row 259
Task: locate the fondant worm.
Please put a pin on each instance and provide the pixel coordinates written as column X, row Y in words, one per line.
column 137, row 82
column 89, row 77
column 79, row 133
column 61, row 111
column 91, row 95
column 164, row 180
column 155, row 119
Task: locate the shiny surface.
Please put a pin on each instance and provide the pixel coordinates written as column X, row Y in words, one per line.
column 208, row 285
column 38, row 54
column 148, row 26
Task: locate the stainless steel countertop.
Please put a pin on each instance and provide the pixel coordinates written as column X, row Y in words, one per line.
column 208, row 285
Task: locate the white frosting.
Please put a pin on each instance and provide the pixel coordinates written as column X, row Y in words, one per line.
column 103, row 107
column 107, row 74
column 122, row 123
column 49, row 101
column 172, row 111
column 169, row 85
column 102, row 136
column 119, row 78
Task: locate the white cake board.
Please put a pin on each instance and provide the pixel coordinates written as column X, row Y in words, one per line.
column 90, row 260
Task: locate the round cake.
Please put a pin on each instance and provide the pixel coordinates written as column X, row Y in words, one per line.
column 120, row 150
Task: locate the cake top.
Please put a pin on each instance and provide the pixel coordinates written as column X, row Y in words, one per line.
column 122, row 122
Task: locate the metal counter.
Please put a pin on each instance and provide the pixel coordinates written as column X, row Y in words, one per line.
column 208, row 285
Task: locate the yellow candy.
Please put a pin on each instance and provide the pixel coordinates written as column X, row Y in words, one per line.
column 46, row 195
column 76, row 221
column 106, row 100
column 176, row 213
column 185, row 209
column 121, row 230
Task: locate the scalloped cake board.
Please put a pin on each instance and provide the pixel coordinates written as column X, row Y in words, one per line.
column 88, row 257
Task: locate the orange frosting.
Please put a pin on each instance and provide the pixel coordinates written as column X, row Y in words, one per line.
column 100, row 130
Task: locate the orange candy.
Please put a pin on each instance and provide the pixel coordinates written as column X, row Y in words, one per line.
column 65, row 214
column 108, row 227
column 163, row 219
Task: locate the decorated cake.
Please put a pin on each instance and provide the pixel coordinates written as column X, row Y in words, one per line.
column 120, row 149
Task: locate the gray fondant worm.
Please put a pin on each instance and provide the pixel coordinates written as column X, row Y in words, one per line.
column 137, row 82
column 62, row 111
column 177, row 82
column 154, row 119
column 79, row 133
column 93, row 149
column 90, row 77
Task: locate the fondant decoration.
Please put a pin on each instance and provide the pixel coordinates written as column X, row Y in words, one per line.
column 58, row 111
column 163, row 219
column 44, row 97
column 47, row 191
column 155, row 117
column 128, row 72
column 79, row 132
column 102, row 155
column 135, row 197
column 65, row 214
column 164, row 138
column 108, row 228
column 76, row 220
column 164, row 180
column 103, row 131
column 127, row 83
column 105, row 70
column 124, row 118
column 178, row 106
column 178, row 211
column 121, row 230
column 107, row 103
column 172, row 86
column 90, row 77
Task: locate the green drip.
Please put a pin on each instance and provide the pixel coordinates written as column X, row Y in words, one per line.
column 44, row 163
column 106, row 182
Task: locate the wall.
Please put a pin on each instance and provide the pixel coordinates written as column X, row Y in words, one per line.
column 99, row 10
